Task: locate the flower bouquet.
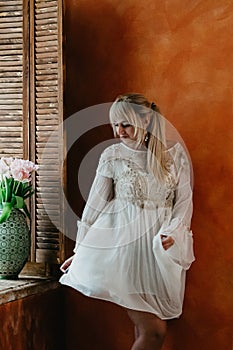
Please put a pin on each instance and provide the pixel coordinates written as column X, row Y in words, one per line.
column 15, row 175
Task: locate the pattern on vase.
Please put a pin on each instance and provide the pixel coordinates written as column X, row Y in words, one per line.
column 14, row 244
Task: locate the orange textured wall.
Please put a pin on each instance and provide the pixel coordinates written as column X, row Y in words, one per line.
column 179, row 53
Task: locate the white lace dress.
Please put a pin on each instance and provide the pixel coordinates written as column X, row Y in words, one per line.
column 118, row 254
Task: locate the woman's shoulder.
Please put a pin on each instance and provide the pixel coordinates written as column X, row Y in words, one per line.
column 110, row 152
column 106, row 166
column 175, row 148
column 180, row 155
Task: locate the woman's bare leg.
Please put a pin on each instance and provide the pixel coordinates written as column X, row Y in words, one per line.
column 151, row 330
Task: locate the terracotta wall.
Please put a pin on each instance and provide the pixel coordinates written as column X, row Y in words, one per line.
column 178, row 53
column 33, row 323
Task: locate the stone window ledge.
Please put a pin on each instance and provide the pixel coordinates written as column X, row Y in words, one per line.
column 11, row 290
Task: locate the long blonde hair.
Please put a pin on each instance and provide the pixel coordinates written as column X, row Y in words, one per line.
column 133, row 108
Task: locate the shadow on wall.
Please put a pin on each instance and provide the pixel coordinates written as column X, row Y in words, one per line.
column 92, row 69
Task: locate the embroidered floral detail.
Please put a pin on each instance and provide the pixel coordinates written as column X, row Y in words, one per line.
column 132, row 185
column 135, row 185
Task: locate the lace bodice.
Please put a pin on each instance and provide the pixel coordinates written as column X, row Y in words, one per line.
column 132, row 181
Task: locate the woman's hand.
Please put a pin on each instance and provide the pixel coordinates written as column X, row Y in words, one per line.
column 167, row 241
column 66, row 264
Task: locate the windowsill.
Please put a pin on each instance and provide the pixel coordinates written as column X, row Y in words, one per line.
column 11, row 290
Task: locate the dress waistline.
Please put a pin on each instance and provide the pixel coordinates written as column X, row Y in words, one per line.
column 145, row 203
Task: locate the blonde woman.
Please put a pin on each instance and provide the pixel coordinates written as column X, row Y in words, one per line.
column 134, row 242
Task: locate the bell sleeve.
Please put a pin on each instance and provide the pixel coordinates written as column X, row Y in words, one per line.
column 181, row 252
column 100, row 195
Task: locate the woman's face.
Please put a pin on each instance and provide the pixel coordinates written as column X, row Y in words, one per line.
column 125, row 131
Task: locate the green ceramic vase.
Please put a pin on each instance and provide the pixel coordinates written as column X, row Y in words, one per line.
column 14, row 244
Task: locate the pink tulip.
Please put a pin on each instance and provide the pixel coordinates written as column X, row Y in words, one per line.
column 19, row 169
column 20, row 175
column 4, row 168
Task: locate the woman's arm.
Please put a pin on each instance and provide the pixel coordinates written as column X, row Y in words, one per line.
column 183, row 202
column 101, row 193
column 178, row 228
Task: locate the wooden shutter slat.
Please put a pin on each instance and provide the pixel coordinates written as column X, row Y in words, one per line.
column 50, row 65
column 49, row 94
column 46, row 4
column 11, row 35
column 5, row 25
column 10, row 69
column 10, row 41
column 46, row 56
column 49, row 37
column 11, row 101
column 45, row 89
column 48, row 7
column 14, row 134
column 51, row 44
column 48, row 33
column 14, row 123
column 9, row 28
column 6, row 107
column 11, row 146
column 8, row 64
column 5, row 74
column 14, row 114
column 46, row 117
column 46, row 16
column 48, row 73
column 8, row 20
column 46, row 21
column 10, row 7
column 10, row 49
column 8, row 60
column 47, row 83
column 15, row 141
column 51, row 60
column 9, row 16
column 43, row 110
column 12, row 2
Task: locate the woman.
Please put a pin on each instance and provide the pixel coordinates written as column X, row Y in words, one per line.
column 134, row 243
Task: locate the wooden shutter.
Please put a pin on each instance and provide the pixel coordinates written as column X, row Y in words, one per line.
column 31, row 108
column 13, row 79
column 47, row 107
